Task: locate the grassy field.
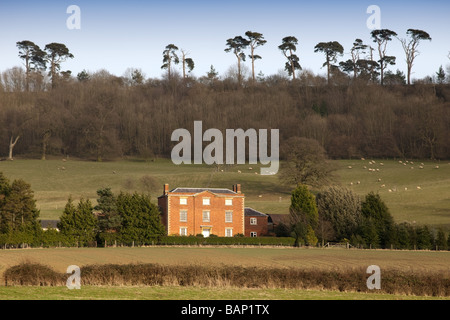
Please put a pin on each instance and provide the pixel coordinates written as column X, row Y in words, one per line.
column 190, row 293
column 54, row 181
column 313, row 258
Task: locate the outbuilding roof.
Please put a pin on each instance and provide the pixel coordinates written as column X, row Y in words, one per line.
column 250, row 212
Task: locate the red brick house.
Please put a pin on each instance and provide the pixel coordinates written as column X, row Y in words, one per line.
column 256, row 223
column 192, row 211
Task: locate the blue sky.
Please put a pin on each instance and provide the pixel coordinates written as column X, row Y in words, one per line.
column 116, row 34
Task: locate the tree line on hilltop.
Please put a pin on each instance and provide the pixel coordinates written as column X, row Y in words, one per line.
column 46, row 111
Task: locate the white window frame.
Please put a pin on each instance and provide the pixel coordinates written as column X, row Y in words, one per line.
column 228, row 202
column 183, row 212
column 253, row 234
column 183, row 231
column 228, row 216
column 206, row 201
column 228, row 232
column 208, row 216
column 253, row 221
column 183, row 201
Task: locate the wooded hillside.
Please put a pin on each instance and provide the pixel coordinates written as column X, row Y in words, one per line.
column 104, row 117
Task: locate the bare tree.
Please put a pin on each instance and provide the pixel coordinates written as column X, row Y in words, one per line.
column 410, row 47
column 12, row 144
column 187, row 63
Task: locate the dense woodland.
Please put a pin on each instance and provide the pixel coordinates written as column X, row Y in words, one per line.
column 106, row 117
column 359, row 109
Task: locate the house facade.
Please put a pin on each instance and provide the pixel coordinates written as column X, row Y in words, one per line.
column 206, row 211
column 256, row 223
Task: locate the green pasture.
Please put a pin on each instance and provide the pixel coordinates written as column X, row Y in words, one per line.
column 412, row 194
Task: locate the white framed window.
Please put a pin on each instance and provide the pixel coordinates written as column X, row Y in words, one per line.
column 183, row 215
column 206, row 216
column 253, row 234
column 253, row 221
column 183, row 231
column 228, row 202
column 228, row 216
column 183, row 200
column 228, row 232
column 206, row 201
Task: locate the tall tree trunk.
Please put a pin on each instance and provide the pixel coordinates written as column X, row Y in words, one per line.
column 45, row 139
column 11, row 146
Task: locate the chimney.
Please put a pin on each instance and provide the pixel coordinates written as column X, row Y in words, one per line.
column 238, row 188
column 166, row 188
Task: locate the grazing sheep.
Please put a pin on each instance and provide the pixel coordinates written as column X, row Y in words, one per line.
column 350, row 167
column 379, row 180
column 420, row 167
column 250, row 168
column 436, row 167
column 359, row 182
column 239, row 171
column 390, row 190
column 419, row 188
column 363, row 159
column 383, row 185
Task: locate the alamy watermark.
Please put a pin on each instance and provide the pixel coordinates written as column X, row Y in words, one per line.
column 225, row 151
column 74, row 20
column 374, row 280
column 374, row 21
column 74, row 281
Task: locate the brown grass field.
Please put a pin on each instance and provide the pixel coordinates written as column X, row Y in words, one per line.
column 403, row 268
column 306, row 258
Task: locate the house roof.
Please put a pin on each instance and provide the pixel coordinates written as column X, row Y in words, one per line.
column 198, row 190
column 279, row 218
column 250, row 212
column 49, row 224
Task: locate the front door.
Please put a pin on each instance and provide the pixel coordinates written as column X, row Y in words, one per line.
column 206, row 232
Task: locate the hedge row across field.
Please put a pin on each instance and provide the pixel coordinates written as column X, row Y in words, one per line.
column 261, row 241
column 350, row 280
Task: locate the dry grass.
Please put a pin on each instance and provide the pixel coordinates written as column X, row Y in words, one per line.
column 226, row 276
